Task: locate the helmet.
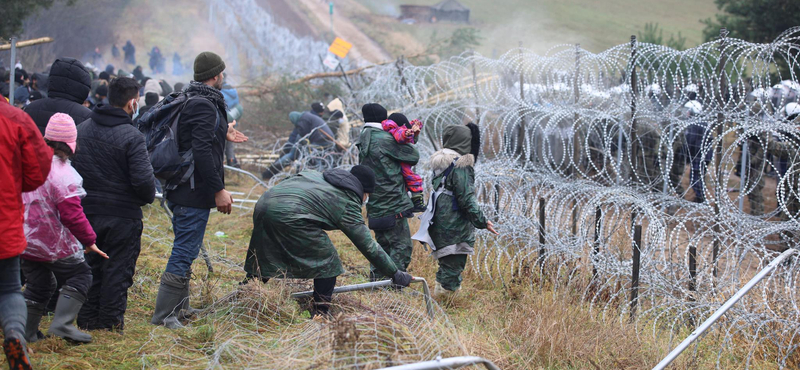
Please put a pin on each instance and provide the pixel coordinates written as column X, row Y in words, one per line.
column 655, row 89
column 693, row 107
column 690, row 88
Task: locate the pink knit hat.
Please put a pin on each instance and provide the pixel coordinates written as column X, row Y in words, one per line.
column 62, row 128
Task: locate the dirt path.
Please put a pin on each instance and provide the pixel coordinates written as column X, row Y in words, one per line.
column 364, row 48
column 286, row 16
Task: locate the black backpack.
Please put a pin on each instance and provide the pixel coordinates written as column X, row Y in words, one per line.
column 160, row 127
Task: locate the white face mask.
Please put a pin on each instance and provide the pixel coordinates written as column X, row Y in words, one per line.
column 135, row 107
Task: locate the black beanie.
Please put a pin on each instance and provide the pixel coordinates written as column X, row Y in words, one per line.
column 317, row 107
column 400, row 119
column 104, row 76
column 207, row 65
column 373, row 112
column 366, row 176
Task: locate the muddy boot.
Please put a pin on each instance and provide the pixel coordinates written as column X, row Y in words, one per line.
column 67, row 308
column 440, row 294
column 186, row 310
column 169, row 301
column 419, row 203
column 16, row 351
column 35, row 313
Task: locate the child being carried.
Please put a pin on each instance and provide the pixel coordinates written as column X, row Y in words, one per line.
column 405, row 132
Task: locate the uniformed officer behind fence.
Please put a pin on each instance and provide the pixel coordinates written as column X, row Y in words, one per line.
column 289, row 239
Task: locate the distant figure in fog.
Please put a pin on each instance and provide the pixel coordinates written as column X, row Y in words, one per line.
column 130, row 53
column 177, row 66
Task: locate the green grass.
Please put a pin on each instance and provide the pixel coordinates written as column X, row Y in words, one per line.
column 542, row 24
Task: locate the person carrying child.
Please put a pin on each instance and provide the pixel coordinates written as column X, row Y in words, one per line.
column 405, row 132
column 56, row 227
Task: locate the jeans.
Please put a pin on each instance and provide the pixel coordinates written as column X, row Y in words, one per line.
column 107, row 301
column 41, row 277
column 189, row 225
column 286, row 159
column 696, row 177
column 13, row 312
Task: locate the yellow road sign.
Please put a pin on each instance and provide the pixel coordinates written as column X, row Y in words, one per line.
column 340, row 48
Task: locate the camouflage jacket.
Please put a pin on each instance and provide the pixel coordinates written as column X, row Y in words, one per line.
column 450, row 226
column 379, row 151
column 289, row 222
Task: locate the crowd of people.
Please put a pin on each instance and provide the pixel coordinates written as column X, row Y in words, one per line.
column 82, row 163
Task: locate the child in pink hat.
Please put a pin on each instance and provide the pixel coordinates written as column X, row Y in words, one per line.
column 57, row 232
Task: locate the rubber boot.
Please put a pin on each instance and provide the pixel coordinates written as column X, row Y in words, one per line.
column 35, row 313
column 169, row 301
column 441, row 294
column 67, row 308
column 16, row 351
column 187, row 311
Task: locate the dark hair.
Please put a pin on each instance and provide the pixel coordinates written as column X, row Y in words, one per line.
column 101, row 90
column 61, row 149
column 337, row 114
column 179, row 86
column 151, row 98
column 475, row 144
column 121, row 90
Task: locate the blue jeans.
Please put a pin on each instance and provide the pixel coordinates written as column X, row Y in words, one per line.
column 286, row 159
column 189, row 225
column 13, row 312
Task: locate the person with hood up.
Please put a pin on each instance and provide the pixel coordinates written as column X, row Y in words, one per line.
column 289, row 224
column 57, row 232
column 68, row 88
column 309, row 128
column 339, row 123
column 25, row 167
column 130, row 53
column 448, row 225
column 151, row 86
column 390, row 205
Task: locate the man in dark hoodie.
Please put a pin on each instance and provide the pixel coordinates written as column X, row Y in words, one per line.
column 118, row 179
column 69, row 85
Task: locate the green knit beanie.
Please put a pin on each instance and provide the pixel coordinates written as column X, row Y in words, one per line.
column 207, row 65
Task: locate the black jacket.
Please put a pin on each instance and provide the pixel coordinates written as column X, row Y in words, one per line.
column 68, row 87
column 310, row 121
column 196, row 133
column 113, row 161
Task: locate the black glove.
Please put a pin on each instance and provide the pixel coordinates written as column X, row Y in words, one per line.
column 401, row 278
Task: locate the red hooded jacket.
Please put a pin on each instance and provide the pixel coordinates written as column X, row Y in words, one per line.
column 24, row 165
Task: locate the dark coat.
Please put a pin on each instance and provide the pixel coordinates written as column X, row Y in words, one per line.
column 113, row 161
column 289, row 238
column 68, row 87
column 196, row 133
column 310, row 121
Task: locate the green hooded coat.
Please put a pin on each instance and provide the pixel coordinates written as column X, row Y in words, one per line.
column 289, row 222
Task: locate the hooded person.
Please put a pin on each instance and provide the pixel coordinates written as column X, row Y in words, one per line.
column 151, row 86
column 309, row 128
column 290, row 220
column 338, row 120
column 448, row 226
column 68, row 87
column 389, row 206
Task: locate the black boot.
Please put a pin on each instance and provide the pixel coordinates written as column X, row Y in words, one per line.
column 67, row 308
column 186, row 310
column 419, row 203
column 271, row 171
column 169, row 300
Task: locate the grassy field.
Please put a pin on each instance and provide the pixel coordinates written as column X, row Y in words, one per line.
column 522, row 324
column 542, row 24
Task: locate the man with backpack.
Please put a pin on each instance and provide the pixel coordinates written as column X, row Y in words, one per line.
column 202, row 130
column 118, row 179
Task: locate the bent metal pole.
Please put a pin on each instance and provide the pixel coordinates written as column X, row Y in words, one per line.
column 721, row 311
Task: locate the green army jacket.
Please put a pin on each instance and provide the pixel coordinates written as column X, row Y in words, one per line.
column 451, row 227
column 379, row 151
column 289, row 224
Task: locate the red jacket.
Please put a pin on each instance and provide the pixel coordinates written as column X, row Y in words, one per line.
column 24, row 166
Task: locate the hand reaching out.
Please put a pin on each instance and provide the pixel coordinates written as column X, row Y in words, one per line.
column 235, row 135
column 490, row 227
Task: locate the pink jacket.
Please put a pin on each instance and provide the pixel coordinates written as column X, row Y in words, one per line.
column 55, row 225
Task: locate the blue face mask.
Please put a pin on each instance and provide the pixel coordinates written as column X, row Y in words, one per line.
column 135, row 106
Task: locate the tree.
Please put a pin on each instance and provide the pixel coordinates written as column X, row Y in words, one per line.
column 14, row 12
column 652, row 35
column 758, row 21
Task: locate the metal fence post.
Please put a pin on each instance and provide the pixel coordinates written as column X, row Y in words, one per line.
column 598, row 224
column 637, row 253
column 722, row 100
column 12, row 71
column 541, row 233
column 520, row 149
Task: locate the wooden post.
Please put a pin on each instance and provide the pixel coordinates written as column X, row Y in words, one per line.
column 598, row 224
column 542, row 251
column 722, row 99
column 31, row 42
column 637, row 253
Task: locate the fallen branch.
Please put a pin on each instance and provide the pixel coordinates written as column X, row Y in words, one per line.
column 22, row 44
